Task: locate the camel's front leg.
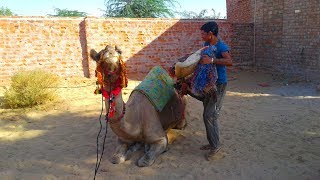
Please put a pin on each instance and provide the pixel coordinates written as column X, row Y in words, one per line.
column 120, row 155
column 154, row 151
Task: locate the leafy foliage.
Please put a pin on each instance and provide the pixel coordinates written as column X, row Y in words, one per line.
column 203, row 14
column 30, row 88
column 4, row 11
column 139, row 8
column 68, row 13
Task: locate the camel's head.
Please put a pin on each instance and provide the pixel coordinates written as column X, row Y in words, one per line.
column 109, row 63
column 108, row 58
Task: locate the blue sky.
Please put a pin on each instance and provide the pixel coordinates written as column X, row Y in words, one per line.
column 92, row 7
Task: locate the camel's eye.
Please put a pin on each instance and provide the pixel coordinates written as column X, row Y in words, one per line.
column 109, row 54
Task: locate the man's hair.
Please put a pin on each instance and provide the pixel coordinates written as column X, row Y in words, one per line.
column 210, row 26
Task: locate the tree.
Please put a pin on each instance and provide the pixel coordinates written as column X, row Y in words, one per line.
column 203, row 14
column 139, row 8
column 68, row 13
column 4, row 11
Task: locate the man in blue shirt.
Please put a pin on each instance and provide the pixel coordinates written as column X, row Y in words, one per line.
column 218, row 54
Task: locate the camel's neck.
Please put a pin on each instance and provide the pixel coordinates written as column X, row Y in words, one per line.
column 117, row 106
column 110, row 86
column 115, row 121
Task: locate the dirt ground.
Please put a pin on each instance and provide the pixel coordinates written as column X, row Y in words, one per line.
column 270, row 129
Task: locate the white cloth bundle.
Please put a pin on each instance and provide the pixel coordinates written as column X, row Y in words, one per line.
column 185, row 68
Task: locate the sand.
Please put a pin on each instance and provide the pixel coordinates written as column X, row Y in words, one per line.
column 270, row 129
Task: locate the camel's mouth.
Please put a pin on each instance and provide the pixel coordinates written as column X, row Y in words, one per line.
column 110, row 60
column 109, row 67
column 111, row 56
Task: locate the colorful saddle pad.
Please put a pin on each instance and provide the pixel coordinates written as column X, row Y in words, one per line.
column 157, row 86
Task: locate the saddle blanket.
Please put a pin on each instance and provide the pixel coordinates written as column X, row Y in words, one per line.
column 157, row 86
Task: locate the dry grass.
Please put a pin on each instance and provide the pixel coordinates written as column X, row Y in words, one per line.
column 31, row 88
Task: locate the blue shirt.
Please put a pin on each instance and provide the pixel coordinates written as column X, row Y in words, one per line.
column 218, row 49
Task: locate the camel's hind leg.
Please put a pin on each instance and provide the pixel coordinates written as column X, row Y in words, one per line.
column 153, row 152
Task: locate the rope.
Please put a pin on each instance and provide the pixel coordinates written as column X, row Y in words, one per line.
column 98, row 161
column 124, row 83
column 96, row 169
column 59, row 87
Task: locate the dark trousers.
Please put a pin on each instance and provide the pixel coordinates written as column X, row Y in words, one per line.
column 212, row 104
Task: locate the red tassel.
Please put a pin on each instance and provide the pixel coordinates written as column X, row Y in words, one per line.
column 112, row 109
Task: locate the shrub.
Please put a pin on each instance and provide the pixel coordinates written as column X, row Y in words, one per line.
column 31, row 88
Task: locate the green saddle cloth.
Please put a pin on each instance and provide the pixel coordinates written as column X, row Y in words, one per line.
column 157, row 86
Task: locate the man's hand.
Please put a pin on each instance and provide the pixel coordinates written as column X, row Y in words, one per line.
column 171, row 71
column 205, row 59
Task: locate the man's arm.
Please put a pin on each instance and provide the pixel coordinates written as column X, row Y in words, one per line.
column 226, row 60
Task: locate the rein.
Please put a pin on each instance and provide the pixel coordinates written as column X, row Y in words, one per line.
column 110, row 95
column 115, row 88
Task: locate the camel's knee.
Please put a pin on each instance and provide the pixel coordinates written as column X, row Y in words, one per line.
column 158, row 146
column 163, row 141
column 120, row 154
column 155, row 149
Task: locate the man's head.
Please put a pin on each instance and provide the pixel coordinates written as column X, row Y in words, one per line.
column 209, row 31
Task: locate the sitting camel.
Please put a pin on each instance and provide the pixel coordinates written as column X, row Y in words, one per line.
column 138, row 121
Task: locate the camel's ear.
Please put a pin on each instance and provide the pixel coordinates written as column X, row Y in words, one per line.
column 118, row 49
column 94, row 55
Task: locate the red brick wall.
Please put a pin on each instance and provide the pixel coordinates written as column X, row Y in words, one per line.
column 45, row 43
column 240, row 11
column 288, row 36
column 285, row 37
column 61, row 45
column 242, row 43
column 148, row 42
column 285, row 33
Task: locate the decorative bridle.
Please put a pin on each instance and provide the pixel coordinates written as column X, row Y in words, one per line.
column 115, row 86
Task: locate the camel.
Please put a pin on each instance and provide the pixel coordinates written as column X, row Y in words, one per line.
column 137, row 123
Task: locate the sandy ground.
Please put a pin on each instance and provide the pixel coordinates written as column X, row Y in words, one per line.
column 268, row 132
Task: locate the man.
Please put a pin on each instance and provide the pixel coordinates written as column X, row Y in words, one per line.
column 218, row 54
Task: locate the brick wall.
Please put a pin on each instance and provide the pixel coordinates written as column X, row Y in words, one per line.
column 286, row 33
column 40, row 43
column 61, row 45
column 242, row 43
column 288, row 36
column 285, row 37
column 240, row 11
column 148, row 42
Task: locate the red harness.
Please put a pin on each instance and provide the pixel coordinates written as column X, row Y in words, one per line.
column 110, row 96
column 115, row 92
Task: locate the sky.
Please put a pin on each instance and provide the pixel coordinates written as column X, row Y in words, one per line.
column 95, row 7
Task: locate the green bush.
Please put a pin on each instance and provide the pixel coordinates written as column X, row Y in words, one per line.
column 31, row 88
